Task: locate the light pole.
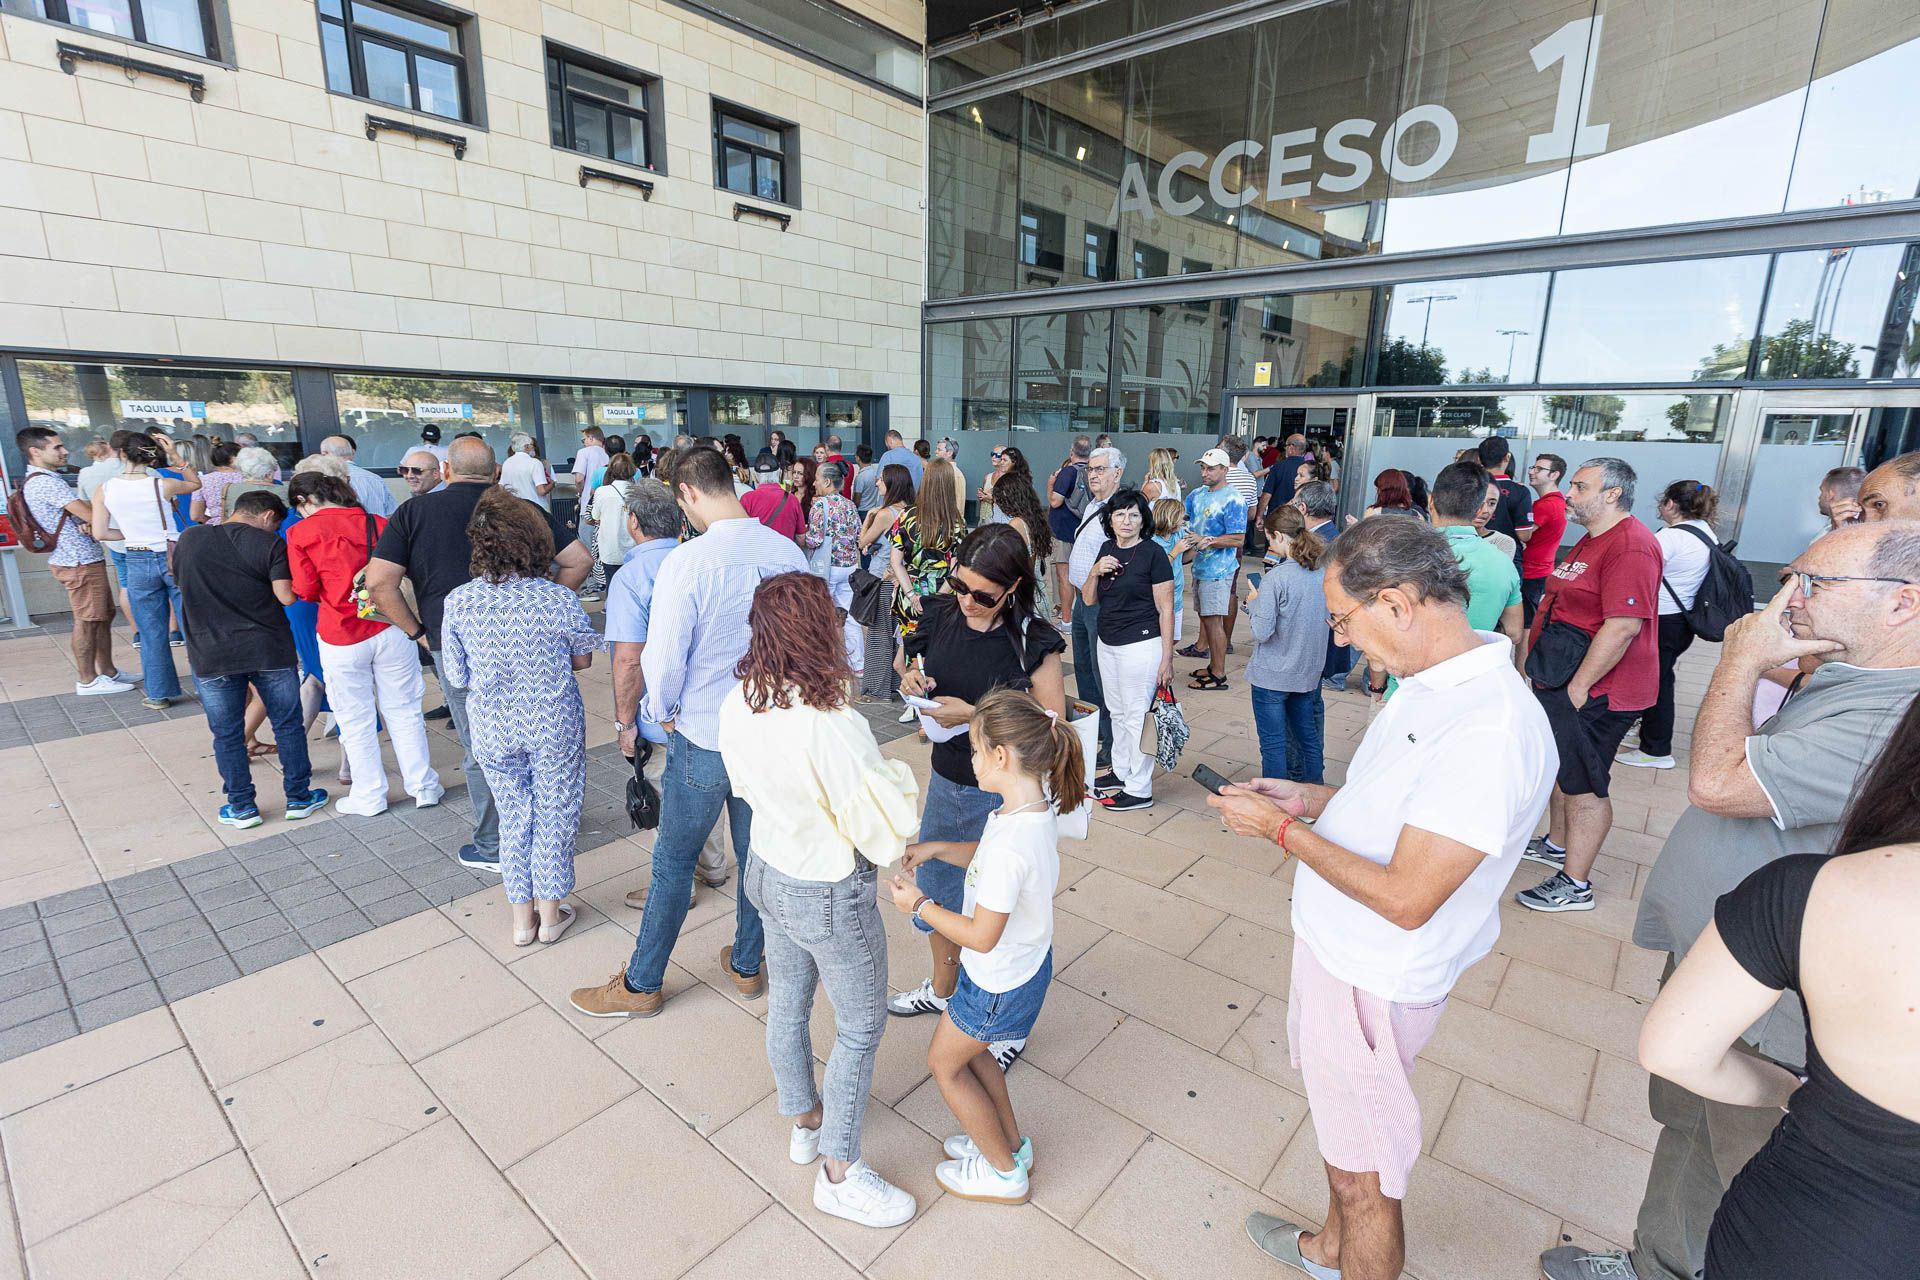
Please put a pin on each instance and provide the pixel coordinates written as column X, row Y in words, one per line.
column 1430, row 299
column 1512, row 336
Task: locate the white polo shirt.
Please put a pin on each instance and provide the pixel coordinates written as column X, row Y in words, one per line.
column 1463, row 750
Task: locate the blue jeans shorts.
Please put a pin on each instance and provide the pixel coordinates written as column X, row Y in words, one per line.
column 954, row 812
column 1006, row 1015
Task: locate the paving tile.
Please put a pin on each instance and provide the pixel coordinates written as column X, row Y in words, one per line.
column 148, row 919
column 377, row 948
column 1139, row 857
column 19, row 982
column 239, row 888
column 517, row 1084
column 1234, row 889
column 429, row 1001
column 29, row 1037
column 72, row 900
column 1170, row 1216
column 104, row 982
column 255, row 931
column 176, row 933
column 679, row 1057
column 1514, row 1057
column 430, row 1207
column 772, row 1244
column 1024, row 1241
column 1619, row 1103
column 310, row 1117
column 200, row 977
column 253, row 907
column 551, row 1263
column 31, row 1006
column 1169, row 992
column 1071, row 1023
column 1173, row 924
column 325, row 933
column 267, row 1018
column 67, row 944
column 212, row 1222
column 1227, row 1116
column 198, row 948
column 899, row 1066
column 1544, row 941
column 1249, row 953
column 76, row 1155
column 265, row 955
column 83, row 918
column 583, row 959
column 26, row 957
column 1573, row 1010
column 590, row 1187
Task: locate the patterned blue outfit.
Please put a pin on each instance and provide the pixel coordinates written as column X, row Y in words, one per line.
column 509, row 644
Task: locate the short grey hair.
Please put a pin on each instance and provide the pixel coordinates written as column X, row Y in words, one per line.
column 1111, row 456
column 256, row 463
column 325, row 464
column 1896, row 553
column 1389, row 551
column 1082, row 446
column 653, row 509
column 521, row 442
column 833, row 473
column 1235, row 447
column 1614, row 474
column 1317, row 499
column 833, row 443
column 337, row 447
column 951, row 445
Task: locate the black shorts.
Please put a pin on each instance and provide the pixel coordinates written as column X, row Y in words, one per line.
column 1586, row 740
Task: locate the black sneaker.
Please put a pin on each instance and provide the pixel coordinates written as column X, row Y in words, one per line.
column 1538, row 850
column 438, row 713
column 474, row 860
column 1126, row 801
column 1107, row 783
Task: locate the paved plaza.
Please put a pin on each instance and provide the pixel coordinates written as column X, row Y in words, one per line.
column 311, row 1047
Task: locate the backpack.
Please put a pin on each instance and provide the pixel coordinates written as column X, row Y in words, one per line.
column 1080, row 494
column 33, row 535
column 1726, row 593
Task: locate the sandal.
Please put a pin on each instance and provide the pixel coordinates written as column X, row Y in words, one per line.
column 260, row 750
column 525, row 937
column 566, row 922
column 1207, row 681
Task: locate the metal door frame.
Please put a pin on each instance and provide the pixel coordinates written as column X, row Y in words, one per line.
column 1353, row 450
column 1752, row 407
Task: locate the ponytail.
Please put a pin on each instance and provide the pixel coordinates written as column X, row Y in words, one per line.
column 1046, row 745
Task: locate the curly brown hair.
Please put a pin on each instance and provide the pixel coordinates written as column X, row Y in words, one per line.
column 510, row 537
column 795, row 647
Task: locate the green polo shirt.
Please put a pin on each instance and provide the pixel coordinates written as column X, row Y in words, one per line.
column 1492, row 581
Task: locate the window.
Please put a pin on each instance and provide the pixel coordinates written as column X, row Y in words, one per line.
column 1832, row 313
column 752, row 155
column 1440, row 332
column 1043, row 238
column 658, row 413
column 1060, row 383
column 1148, row 262
column 833, row 34
column 1308, row 339
column 385, row 414
column 599, row 110
column 401, row 57
column 1097, row 248
column 1691, row 321
column 735, row 409
column 966, row 375
column 186, row 25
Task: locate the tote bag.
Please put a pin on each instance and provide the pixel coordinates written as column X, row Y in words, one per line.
column 1084, row 719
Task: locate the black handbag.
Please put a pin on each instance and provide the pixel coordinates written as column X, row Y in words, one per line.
column 1557, row 654
column 869, row 598
column 643, row 798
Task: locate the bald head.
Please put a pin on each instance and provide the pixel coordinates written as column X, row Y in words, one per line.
column 337, row 447
column 420, row 471
column 470, row 459
column 1296, row 445
column 1869, row 601
column 1891, row 490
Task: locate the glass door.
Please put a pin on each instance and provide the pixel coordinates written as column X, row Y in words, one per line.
column 1326, row 421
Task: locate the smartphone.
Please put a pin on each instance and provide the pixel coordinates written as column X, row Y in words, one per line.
column 1253, row 579
column 1211, row 779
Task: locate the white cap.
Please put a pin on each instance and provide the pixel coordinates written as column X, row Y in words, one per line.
column 1215, row 458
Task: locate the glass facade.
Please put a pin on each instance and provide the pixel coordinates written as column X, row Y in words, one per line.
column 85, row 402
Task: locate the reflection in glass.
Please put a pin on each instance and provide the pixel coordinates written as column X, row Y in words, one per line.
column 85, row 401
column 1676, row 321
column 736, row 409
column 1170, row 365
column 846, row 417
column 1070, row 166
column 439, row 87
column 386, row 74
column 973, row 171
column 1701, row 103
column 385, row 413
column 1423, row 434
column 1679, row 419
column 968, row 366
column 1310, row 339
column 1475, row 330
column 1836, row 313
column 1060, row 383
column 175, row 24
column 1782, row 507
column 631, row 412
column 1857, row 140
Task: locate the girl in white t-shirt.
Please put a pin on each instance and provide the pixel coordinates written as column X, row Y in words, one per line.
column 1032, row 761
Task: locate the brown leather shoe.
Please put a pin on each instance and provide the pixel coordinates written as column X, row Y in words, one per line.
column 613, row 1000
column 749, row 988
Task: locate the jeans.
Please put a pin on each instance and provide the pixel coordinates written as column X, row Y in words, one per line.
column 1339, row 662
column 823, row 933
column 224, row 699
column 1292, row 730
column 486, row 815
column 1656, row 722
column 695, row 789
column 713, row 854
column 1086, row 668
column 955, row 812
column 150, row 593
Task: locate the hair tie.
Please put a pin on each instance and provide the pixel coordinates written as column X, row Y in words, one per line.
column 1051, row 713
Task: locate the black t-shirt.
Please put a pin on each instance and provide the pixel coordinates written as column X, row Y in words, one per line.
column 427, row 537
column 1127, row 612
column 969, row 664
column 1281, row 480
column 234, row 622
column 1513, row 512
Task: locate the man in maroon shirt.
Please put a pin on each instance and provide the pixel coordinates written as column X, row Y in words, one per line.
column 1549, row 526
column 771, row 504
column 1605, row 591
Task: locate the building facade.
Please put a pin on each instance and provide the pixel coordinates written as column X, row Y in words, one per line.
column 295, row 217
column 1679, row 233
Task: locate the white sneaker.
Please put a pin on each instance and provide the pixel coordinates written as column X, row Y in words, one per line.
column 960, row 1147
column 99, row 685
column 1007, row 1052
column 360, row 808
column 128, row 677
column 1639, row 759
column 428, row 799
column 863, row 1196
column 803, row 1145
column 974, row 1179
column 909, row 715
column 917, row 1001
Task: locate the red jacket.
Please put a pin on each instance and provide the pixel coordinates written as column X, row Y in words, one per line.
column 324, row 551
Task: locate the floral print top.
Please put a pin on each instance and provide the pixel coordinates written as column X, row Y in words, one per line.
column 927, row 567
column 835, row 520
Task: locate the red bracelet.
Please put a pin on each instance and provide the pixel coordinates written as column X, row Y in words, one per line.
column 1280, row 836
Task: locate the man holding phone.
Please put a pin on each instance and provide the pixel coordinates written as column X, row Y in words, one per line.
column 1401, row 875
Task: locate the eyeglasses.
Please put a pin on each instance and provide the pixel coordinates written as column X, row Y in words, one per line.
column 1339, row 624
column 416, row 471
column 1806, row 581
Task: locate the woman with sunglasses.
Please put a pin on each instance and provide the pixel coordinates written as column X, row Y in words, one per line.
column 1132, row 583
column 982, row 634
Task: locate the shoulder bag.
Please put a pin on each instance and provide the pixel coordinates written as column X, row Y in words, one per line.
column 1556, row 655
column 363, row 606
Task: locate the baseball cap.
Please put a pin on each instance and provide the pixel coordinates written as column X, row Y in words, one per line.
column 430, row 433
column 1215, row 458
column 766, row 464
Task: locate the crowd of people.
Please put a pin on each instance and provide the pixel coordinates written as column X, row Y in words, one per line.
column 750, row 604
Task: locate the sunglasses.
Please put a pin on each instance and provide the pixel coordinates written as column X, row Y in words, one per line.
column 416, row 471
column 985, row 599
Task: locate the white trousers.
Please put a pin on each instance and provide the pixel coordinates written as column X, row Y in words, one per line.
column 1129, row 674
column 852, row 635
column 366, row 682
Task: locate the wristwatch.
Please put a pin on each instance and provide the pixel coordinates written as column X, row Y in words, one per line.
column 620, row 728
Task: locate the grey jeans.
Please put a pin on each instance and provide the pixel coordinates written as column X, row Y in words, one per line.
column 486, row 818
column 823, row 933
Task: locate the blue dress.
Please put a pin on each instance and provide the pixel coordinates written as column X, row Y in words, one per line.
column 510, row 644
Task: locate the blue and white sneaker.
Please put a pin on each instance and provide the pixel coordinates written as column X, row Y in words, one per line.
column 316, row 801
column 241, row 818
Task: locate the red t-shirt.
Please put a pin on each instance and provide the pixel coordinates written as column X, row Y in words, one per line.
column 1549, row 526
column 1616, row 575
column 846, row 474
column 765, row 500
column 324, row 551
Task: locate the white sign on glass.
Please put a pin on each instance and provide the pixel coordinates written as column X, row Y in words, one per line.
column 195, row 409
column 442, row 411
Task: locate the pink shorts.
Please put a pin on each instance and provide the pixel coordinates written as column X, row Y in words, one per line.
column 1356, row 1052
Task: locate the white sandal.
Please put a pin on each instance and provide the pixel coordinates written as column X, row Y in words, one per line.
column 525, row 937
column 566, row 922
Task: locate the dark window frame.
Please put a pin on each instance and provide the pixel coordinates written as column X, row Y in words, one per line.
column 465, row 61
column 651, row 116
column 788, row 155
column 211, row 27
column 1042, row 239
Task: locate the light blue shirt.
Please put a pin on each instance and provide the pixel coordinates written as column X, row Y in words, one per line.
column 697, row 628
column 371, row 490
column 906, row 458
column 629, row 609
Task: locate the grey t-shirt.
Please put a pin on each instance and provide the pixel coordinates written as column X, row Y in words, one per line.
column 1808, row 759
column 866, row 488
